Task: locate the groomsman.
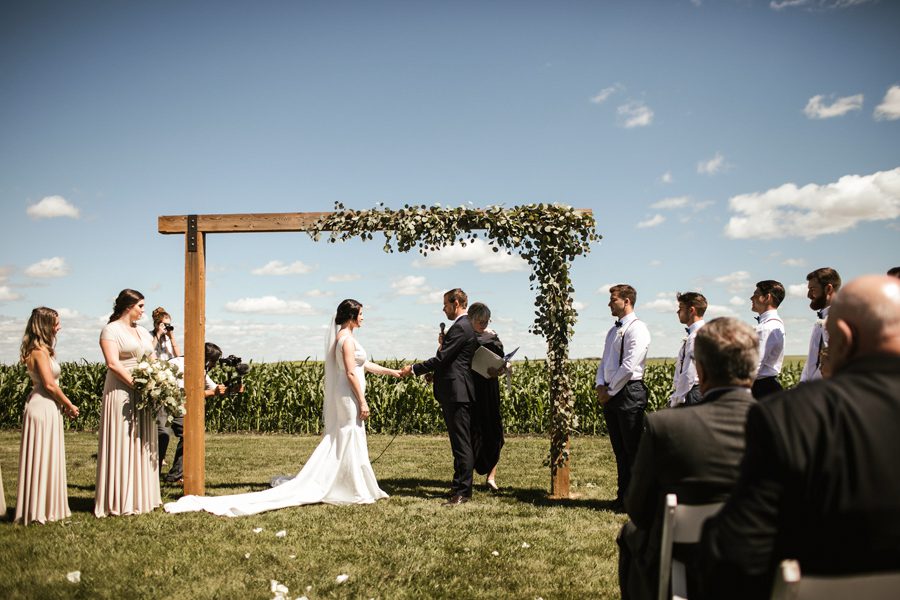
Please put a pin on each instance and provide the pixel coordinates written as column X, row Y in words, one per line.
column 620, row 383
column 691, row 308
column 821, row 285
column 766, row 299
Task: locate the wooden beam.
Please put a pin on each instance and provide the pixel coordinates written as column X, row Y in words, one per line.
column 253, row 223
column 243, row 223
column 194, row 367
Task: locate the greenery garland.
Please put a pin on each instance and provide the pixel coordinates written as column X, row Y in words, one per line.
column 547, row 236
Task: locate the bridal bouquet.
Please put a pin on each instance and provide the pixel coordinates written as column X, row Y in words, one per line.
column 156, row 382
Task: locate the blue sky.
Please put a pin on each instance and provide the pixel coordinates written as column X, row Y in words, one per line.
column 718, row 144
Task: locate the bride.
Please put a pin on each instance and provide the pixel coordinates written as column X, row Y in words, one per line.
column 338, row 472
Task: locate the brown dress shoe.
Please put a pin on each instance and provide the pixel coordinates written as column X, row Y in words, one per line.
column 456, row 500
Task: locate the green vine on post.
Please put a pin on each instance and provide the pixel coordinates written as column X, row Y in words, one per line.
column 547, row 236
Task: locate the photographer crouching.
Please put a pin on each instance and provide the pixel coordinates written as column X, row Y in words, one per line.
column 212, row 357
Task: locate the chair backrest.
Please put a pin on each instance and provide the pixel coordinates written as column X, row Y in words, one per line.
column 682, row 524
column 790, row 585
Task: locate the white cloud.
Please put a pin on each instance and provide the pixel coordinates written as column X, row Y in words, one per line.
column 270, row 305
column 814, row 210
column 51, row 207
column 736, row 281
column 605, row 93
column 318, row 294
column 718, row 310
column 655, row 263
column 697, row 3
column 276, row 267
column 666, row 177
column 797, row 291
column 664, row 303
column 49, row 267
column 411, row 285
column 5, row 273
column 889, row 109
column 68, row 313
column 344, row 278
column 579, row 306
column 779, row 5
column 816, row 109
column 478, row 253
column 794, row 262
column 604, row 289
column 635, row 114
column 737, row 301
column 7, row 294
column 669, row 203
column 651, row 222
column 711, row 166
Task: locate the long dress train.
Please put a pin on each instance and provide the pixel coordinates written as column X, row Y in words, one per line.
column 337, row 472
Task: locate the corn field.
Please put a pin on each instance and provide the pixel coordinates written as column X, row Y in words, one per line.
column 287, row 397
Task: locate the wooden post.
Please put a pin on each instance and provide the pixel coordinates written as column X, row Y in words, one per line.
column 194, row 367
column 559, row 478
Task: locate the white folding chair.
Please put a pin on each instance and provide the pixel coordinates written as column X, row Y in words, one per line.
column 789, row 585
column 682, row 524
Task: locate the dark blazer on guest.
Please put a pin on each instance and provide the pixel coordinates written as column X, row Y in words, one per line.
column 820, row 483
column 694, row 452
column 451, row 365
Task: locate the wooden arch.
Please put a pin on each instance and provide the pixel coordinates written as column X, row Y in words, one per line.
column 195, row 228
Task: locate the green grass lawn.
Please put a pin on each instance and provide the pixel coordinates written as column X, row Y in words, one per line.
column 516, row 544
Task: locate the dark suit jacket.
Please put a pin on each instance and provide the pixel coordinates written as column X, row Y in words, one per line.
column 451, row 365
column 692, row 451
column 820, row 483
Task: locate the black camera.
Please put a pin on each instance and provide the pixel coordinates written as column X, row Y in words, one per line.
column 241, row 368
column 169, row 327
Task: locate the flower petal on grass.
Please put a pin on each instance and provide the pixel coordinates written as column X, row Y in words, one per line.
column 495, row 553
column 281, row 534
column 341, row 578
column 74, row 576
column 257, row 529
column 526, row 545
column 247, row 555
column 292, row 556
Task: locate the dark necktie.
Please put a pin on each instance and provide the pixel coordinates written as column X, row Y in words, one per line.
column 758, row 319
column 820, row 313
column 618, row 324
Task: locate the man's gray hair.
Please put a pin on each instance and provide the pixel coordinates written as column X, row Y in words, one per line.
column 727, row 350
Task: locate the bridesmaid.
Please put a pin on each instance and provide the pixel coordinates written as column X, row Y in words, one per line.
column 127, row 457
column 42, row 493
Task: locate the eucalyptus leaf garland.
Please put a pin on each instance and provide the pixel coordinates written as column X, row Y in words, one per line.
column 547, row 236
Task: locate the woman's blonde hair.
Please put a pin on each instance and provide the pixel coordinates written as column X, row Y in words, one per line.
column 39, row 332
column 159, row 313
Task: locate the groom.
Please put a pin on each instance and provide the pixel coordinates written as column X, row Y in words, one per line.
column 454, row 389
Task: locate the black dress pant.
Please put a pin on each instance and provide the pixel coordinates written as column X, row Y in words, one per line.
column 624, row 415
column 176, row 472
column 458, row 417
column 765, row 386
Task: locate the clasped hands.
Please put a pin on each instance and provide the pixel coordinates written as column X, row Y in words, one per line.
column 406, row 371
column 602, row 394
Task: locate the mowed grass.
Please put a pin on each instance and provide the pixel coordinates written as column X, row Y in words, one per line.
column 407, row 546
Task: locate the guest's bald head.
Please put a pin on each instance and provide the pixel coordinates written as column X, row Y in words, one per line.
column 864, row 320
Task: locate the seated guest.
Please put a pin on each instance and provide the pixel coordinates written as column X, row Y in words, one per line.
column 820, row 481
column 693, row 452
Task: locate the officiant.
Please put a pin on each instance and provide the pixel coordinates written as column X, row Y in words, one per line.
column 487, row 424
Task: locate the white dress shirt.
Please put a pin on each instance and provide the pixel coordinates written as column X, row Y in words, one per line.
column 624, row 354
column 685, row 369
column 771, row 344
column 818, row 340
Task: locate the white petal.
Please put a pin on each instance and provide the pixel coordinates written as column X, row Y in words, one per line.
column 526, row 545
column 281, row 533
column 247, row 555
column 292, row 556
column 341, row 578
column 257, row 529
column 74, row 576
column 495, row 553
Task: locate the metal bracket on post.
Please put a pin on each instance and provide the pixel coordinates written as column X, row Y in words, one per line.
column 192, row 233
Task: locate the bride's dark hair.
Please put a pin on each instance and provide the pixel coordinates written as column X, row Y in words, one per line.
column 348, row 310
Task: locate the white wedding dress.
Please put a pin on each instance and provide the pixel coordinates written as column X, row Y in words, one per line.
column 337, row 472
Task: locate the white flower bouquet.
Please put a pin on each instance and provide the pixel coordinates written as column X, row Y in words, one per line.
column 156, row 384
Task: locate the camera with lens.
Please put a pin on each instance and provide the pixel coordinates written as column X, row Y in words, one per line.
column 236, row 382
column 169, row 327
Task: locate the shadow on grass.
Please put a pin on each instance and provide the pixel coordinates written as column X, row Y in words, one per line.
column 411, row 486
column 540, row 497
